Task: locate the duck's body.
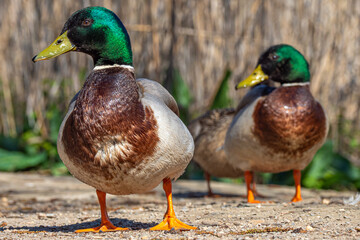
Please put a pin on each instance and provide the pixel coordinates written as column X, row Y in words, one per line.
column 288, row 124
column 277, row 129
column 209, row 131
column 120, row 135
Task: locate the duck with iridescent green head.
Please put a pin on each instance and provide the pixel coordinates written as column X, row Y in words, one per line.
column 121, row 135
column 276, row 129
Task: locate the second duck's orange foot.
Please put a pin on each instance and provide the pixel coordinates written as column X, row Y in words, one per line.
column 107, row 227
column 171, row 222
column 296, row 199
column 251, row 198
column 250, row 193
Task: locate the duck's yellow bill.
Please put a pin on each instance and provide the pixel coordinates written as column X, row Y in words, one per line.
column 61, row 45
column 256, row 77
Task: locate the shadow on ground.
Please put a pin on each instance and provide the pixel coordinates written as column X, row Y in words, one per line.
column 125, row 223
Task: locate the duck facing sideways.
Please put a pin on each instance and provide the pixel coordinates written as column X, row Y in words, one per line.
column 209, row 132
column 277, row 129
column 120, row 135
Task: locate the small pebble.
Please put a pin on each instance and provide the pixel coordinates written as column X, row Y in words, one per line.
column 4, row 201
column 309, row 228
column 41, row 215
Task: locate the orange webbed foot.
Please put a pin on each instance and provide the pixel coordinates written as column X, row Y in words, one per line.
column 252, row 200
column 296, row 199
column 104, row 227
column 171, row 222
column 256, row 201
column 250, row 191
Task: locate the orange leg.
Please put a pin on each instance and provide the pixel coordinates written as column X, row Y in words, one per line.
column 250, row 192
column 170, row 221
column 106, row 225
column 297, row 178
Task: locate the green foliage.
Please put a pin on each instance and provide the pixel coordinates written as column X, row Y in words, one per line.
column 30, row 150
column 330, row 170
column 182, row 95
column 231, row 180
column 55, row 119
column 59, row 169
column 222, row 99
column 181, row 91
column 14, row 161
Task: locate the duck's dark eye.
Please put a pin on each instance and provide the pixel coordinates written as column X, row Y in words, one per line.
column 87, row 22
column 273, row 56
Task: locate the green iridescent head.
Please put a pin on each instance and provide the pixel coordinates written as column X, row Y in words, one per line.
column 281, row 63
column 96, row 31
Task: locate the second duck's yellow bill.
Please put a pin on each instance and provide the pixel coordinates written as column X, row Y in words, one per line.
column 61, row 45
column 256, row 77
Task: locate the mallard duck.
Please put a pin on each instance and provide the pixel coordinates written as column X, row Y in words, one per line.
column 121, row 135
column 209, row 132
column 277, row 129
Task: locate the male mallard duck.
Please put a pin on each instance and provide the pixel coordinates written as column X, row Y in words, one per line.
column 120, row 135
column 209, row 132
column 277, row 129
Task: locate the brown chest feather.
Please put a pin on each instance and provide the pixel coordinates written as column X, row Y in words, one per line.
column 289, row 120
column 109, row 127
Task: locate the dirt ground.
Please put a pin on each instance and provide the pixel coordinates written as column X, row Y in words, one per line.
column 43, row 207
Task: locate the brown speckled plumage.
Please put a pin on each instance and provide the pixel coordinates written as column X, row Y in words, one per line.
column 209, row 131
column 289, row 120
column 210, row 121
column 108, row 113
column 276, row 132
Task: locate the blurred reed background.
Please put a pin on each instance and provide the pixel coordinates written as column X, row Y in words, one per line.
column 190, row 47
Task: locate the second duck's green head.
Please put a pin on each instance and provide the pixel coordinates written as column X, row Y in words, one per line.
column 281, row 63
column 96, row 31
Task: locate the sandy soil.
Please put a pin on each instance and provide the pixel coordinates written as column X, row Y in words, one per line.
column 42, row 207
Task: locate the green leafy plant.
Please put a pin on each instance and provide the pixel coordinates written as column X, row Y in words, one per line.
column 330, row 170
column 11, row 161
column 222, row 98
column 182, row 95
column 30, row 150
